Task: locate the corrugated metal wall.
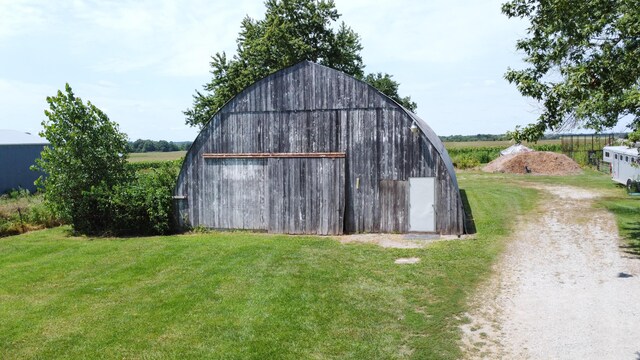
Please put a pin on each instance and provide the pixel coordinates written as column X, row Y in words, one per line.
column 15, row 161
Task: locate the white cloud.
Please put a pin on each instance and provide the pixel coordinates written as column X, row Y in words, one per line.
column 139, row 60
column 169, row 37
column 20, row 16
column 437, row 32
column 23, row 104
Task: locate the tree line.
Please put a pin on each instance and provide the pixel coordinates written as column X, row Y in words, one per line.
column 142, row 146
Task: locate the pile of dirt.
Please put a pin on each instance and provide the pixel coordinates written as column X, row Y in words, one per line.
column 534, row 162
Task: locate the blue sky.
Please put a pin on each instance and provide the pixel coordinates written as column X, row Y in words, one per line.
column 141, row 61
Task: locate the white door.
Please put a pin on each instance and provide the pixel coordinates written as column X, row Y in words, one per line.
column 422, row 213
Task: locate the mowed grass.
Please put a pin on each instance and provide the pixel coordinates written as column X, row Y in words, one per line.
column 247, row 296
column 156, row 156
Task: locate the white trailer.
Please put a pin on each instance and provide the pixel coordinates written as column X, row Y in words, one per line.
column 625, row 164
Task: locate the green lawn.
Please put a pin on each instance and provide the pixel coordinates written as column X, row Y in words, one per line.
column 156, row 156
column 242, row 295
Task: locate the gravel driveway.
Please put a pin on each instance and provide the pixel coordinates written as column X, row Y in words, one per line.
column 563, row 290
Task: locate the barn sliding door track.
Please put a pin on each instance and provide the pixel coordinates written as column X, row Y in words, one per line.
column 274, row 155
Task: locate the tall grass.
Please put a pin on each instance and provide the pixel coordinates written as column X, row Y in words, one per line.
column 21, row 211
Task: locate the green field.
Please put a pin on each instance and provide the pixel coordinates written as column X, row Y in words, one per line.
column 472, row 154
column 156, row 156
column 239, row 295
column 502, row 144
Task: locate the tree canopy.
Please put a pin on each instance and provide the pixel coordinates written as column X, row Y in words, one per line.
column 146, row 145
column 88, row 181
column 291, row 31
column 583, row 63
column 87, row 151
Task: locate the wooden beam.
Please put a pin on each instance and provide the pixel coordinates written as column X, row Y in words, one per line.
column 274, row 155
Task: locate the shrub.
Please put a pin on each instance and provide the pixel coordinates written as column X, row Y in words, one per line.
column 147, row 165
column 548, row 147
column 465, row 162
column 144, row 206
column 86, row 159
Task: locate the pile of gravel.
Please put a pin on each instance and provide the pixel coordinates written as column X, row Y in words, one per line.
column 536, row 162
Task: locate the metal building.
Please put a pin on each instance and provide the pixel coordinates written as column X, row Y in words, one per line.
column 311, row 150
column 18, row 151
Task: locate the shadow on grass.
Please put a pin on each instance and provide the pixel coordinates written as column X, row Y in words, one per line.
column 631, row 231
column 628, row 212
column 469, row 223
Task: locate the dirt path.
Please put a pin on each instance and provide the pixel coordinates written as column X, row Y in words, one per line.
column 563, row 289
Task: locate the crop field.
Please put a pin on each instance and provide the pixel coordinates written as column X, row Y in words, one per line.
column 501, row 144
column 156, row 156
column 476, row 153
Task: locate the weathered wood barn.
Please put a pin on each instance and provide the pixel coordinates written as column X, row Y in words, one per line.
column 311, row 150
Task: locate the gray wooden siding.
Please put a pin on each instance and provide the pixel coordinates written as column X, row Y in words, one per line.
column 394, row 206
column 306, row 196
column 310, row 108
column 235, row 194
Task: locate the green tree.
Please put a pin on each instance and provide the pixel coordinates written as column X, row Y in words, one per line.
column 148, row 146
column 583, row 59
column 87, row 156
column 291, row 31
column 386, row 85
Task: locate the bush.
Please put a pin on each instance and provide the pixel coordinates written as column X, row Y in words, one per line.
column 548, row 147
column 86, row 159
column 140, row 205
column 144, row 206
column 147, row 165
column 469, row 157
column 465, row 162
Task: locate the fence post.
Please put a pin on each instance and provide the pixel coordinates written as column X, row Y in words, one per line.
column 21, row 221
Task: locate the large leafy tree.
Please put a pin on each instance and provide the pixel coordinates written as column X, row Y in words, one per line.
column 86, row 156
column 583, row 63
column 291, row 31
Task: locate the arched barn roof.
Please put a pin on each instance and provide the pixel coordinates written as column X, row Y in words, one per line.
column 437, row 143
column 422, row 125
column 311, row 150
